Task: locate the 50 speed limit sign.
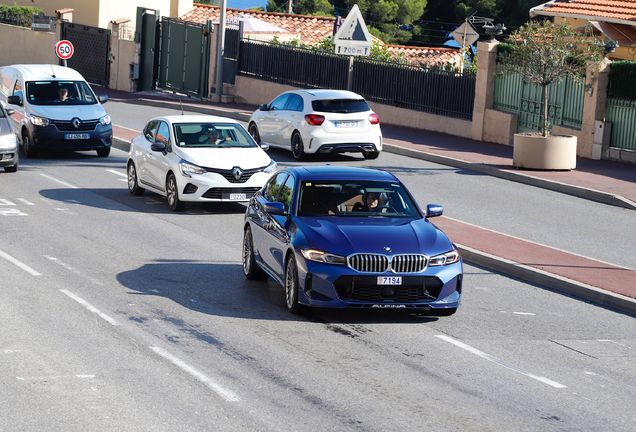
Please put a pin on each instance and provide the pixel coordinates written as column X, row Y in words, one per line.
column 64, row 49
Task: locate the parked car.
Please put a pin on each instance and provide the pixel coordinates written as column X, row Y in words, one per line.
column 55, row 109
column 197, row 158
column 318, row 121
column 343, row 237
column 9, row 143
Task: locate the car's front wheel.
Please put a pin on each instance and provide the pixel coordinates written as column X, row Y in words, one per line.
column 298, row 148
column 251, row 270
column 133, row 181
column 172, row 193
column 27, row 145
column 254, row 132
column 103, row 152
column 291, row 286
column 12, row 168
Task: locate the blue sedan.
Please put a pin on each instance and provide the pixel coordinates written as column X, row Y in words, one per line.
column 343, row 237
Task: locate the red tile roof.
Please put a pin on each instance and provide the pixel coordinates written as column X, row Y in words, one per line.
column 621, row 10
column 311, row 29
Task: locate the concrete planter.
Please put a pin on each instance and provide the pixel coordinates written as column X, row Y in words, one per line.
column 555, row 152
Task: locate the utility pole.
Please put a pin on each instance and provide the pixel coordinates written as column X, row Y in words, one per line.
column 289, row 6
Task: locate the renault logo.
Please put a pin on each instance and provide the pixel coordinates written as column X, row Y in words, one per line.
column 387, row 249
column 237, row 173
column 76, row 122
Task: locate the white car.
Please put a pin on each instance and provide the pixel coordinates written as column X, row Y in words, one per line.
column 197, row 158
column 318, row 121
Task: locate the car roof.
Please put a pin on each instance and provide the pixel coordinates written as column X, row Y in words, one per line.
column 335, row 172
column 329, row 94
column 42, row 72
column 196, row 119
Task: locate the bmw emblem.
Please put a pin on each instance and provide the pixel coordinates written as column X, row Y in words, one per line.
column 237, row 173
column 387, row 249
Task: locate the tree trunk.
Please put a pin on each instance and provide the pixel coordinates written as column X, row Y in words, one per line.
column 545, row 110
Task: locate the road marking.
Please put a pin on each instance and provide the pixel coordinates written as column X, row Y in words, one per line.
column 59, row 181
column 6, row 202
column 90, row 307
column 25, row 201
column 12, row 212
column 19, row 264
column 225, row 394
column 117, row 172
column 499, row 362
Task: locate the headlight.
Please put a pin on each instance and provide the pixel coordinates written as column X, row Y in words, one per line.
column 105, row 121
column 271, row 168
column 323, row 257
column 8, row 142
column 444, row 259
column 187, row 169
column 40, row 121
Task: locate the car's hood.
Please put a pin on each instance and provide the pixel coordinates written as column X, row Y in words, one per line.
column 225, row 158
column 345, row 236
column 61, row 112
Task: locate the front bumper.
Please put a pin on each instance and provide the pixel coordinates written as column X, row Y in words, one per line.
column 49, row 137
column 334, row 286
column 8, row 157
column 214, row 187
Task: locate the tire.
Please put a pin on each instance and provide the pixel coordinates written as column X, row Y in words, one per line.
column 253, row 129
column 291, row 286
column 13, row 168
column 172, row 193
column 133, row 181
column 27, row 145
column 251, row 269
column 371, row 155
column 103, row 152
column 297, row 146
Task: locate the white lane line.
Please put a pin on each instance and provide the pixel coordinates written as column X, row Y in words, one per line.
column 90, row 307
column 25, row 201
column 6, row 202
column 59, row 181
column 500, row 362
column 20, row 264
column 117, row 172
column 225, row 394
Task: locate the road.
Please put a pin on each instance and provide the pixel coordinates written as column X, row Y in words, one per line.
column 118, row 314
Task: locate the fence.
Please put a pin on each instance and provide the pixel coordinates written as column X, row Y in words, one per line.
column 434, row 91
column 16, row 19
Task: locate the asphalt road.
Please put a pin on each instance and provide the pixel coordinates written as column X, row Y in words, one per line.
column 118, row 314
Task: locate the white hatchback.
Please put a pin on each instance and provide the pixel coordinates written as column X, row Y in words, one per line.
column 318, row 121
column 197, row 158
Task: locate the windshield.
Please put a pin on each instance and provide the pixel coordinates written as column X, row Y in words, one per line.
column 212, row 135
column 59, row 93
column 355, row 198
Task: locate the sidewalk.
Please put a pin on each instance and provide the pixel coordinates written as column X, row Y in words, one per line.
column 612, row 183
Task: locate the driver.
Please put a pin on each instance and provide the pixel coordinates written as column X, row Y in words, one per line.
column 62, row 94
column 371, row 200
column 213, row 136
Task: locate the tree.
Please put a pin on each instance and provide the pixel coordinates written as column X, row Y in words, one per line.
column 544, row 53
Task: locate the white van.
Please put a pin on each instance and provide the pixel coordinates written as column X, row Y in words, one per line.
column 55, row 108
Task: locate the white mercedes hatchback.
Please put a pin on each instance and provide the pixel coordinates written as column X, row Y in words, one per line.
column 318, row 121
column 197, row 158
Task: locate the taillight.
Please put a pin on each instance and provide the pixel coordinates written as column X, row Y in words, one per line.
column 314, row 120
column 374, row 119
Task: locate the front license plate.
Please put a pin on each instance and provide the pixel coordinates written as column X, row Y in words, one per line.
column 346, row 124
column 389, row 280
column 76, row 136
column 238, row 196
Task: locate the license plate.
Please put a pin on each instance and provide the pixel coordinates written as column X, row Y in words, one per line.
column 389, row 280
column 76, row 136
column 346, row 124
column 238, row 196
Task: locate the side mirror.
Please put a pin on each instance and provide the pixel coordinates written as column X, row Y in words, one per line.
column 433, row 210
column 14, row 100
column 10, row 111
column 102, row 98
column 264, row 146
column 275, row 208
column 264, row 107
column 158, row 147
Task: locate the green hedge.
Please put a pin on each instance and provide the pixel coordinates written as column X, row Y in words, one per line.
column 622, row 80
column 18, row 15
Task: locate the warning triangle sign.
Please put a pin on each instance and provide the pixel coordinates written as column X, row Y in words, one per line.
column 353, row 31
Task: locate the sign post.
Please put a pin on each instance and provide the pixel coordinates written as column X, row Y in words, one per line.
column 465, row 35
column 64, row 50
column 352, row 39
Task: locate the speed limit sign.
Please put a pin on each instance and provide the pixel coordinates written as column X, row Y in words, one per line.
column 64, row 49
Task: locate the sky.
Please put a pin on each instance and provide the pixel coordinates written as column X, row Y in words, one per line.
column 245, row 4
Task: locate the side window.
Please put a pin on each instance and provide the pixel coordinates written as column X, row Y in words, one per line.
column 150, row 130
column 295, row 103
column 17, row 88
column 273, row 187
column 163, row 134
column 279, row 103
column 287, row 192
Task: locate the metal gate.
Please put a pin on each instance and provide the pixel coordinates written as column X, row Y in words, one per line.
column 185, row 57
column 621, row 113
column 91, row 56
column 565, row 102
